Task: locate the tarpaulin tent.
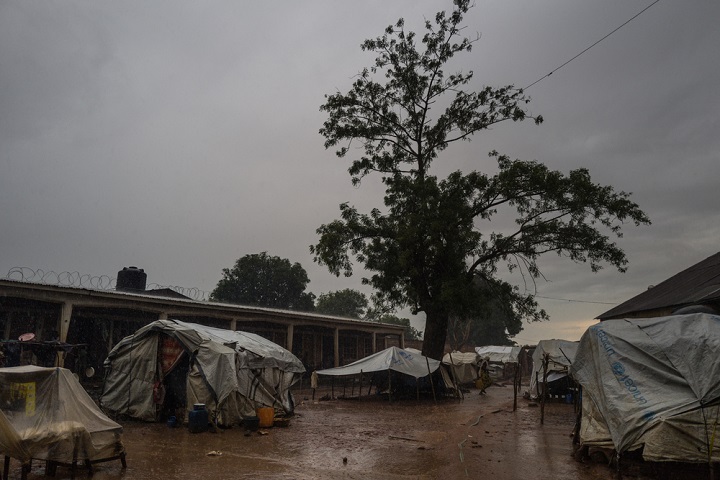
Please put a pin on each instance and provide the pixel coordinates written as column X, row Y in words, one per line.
column 465, row 366
column 499, row 354
column 560, row 355
column 652, row 383
column 393, row 358
column 231, row 372
column 47, row 415
column 498, row 358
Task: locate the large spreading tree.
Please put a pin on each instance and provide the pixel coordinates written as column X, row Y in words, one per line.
column 431, row 242
column 265, row 281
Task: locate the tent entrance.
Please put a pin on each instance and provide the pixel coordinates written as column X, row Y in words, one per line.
column 174, row 366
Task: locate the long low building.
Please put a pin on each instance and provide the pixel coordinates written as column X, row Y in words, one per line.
column 98, row 319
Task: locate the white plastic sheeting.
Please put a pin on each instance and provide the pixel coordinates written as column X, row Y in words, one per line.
column 465, row 366
column 232, row 372
column 392, row 358
column 499, row 354
column 47, row 415
column 560, row 356
column 652, row 383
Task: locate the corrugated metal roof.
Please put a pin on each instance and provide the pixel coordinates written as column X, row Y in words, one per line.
column 697, row 284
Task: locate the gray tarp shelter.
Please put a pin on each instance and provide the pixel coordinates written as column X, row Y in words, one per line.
column 231, row 372
column 499, row 354
column 46, row 414
column 465, row 366
column 393, row 358
column 652, row 383
column 560, row 355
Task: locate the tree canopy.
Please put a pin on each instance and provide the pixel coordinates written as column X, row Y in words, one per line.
column 411, row 333
column 492, row 315
column 265, row 281
column 345, row 303
column 432, row 240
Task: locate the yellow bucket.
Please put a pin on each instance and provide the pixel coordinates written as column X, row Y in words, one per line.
column 266, row 416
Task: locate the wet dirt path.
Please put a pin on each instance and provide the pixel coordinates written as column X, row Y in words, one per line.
column 478, row 437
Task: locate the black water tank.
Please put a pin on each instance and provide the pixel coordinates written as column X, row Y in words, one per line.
column 131, row 279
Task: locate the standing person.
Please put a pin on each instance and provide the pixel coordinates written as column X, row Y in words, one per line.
column 314, row 382
column 485, row 380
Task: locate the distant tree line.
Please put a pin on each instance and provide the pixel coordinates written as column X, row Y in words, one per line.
column 269, row 281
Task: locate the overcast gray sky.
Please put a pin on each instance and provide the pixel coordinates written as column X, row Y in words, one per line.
column 179, row 136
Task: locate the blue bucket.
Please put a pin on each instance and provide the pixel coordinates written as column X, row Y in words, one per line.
column 251, row 423
column 198, row 419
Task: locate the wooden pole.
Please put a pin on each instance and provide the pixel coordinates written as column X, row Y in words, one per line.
column 515, row 386
column 389, row 385
column 432, row 384
column 417, row 387
column 452, row 371
column 360, row 387
column 544, row 390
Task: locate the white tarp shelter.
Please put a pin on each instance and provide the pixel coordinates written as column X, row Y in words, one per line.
column 46, row 414
column 393, row 358
column 231, row 372
column 465, row 366
column 560, row 356
column 652, row 383
column 499, row 354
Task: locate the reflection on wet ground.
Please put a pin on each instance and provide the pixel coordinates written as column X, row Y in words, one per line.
column 476, row 437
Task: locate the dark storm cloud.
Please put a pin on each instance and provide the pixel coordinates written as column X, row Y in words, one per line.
column 179, row 136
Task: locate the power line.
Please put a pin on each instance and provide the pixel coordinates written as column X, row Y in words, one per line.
column 591, row 46
column 574, row 301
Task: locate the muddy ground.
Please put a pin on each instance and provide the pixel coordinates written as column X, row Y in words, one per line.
column 477, row 437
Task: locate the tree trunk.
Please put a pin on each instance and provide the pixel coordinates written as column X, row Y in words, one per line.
column 436, row 326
